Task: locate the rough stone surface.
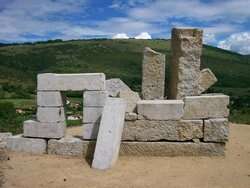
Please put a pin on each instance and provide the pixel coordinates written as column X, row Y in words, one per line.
column 216, row 130
column 4, row 136
column 90, row 130
column 29, row 145
column 146, row 130
column 35, row 129
column 110, row 133
column 68, row 82
column 186, row 47
column 50, row 114
column 131, row 98
column 131, row 116
column 3, row 152
column 206, row 106
column 92, row 114
column 68, row 146
column 94, row 98
column 206, row 80
column 153, row 75
column 160, row 109
column 49, row 98
column 114, row 86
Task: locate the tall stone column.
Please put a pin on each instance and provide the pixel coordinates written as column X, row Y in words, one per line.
column 186, row 47
column 153, row 74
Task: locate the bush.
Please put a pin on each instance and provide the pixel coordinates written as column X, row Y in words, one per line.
column 7, row 110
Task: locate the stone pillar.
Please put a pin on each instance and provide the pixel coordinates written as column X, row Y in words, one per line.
column 153, row 74
column 186, row 45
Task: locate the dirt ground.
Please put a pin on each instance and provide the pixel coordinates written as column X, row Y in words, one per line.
column 24, row 171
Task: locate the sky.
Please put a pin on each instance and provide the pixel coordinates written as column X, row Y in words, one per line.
column 226, row 23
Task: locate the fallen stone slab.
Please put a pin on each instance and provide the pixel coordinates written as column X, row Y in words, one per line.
column 50, row 114
column 114, row 86
column 4, row 136
column 110, row 133
column 32, row 128
column 50, row 99
column 206, row 80
column 160, row 109
column 153, row 74
column 146, row 130
column 131, row 98
column 90, row 130
column 70, row 82
column 216, row 130
column 206, row 106
column 92, row 114
column 30, row 145
column 94, row 98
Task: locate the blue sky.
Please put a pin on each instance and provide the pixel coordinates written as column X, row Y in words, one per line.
column 226, row 23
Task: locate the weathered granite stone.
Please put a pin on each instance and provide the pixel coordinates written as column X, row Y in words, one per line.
column 153, row 74
column 50, row 114
column 36, row 129
column 29, row 145
column 114, row 86
column 216, row 130
column 131, row 116
column 68, row 146
column 186, row 45
column 4, row 136
column 110, row 133
column 92, row 114
column 206, row 80
column 3, row 153
column 90, row 130
column 94, row 98
column 49, row 99
column 160, row 109
column 206, row 106
column 70, row 82
column 146, row 130
column 131, row 98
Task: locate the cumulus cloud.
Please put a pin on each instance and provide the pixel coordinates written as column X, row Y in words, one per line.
column 120, row 36
column 143, row 35
column 239, row 42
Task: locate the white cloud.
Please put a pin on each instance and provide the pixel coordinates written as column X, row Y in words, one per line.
column 143, row 35
column 239, row 42
column 120, row 36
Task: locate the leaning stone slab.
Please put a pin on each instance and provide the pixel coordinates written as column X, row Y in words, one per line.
column 146, row 130
column 153, row 74
column 70, row 82
column 90, row 130
column 131, row 98
column 29, row 145
column 68, row 146
column 216, row 130
column 50, row 114
column 206, row 106
column 160, row 109
column 186, row 46
column 110, row 133
column 49, row 99
column 92, row 114
column 37, row 129
column 4, row 136
column 94, row 98
column 206, row 80
column 114, row 86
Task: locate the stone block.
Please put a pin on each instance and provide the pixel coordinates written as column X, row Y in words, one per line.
column 131, row 116
column 206, row 80
column 50, row 114
column 4, row 136
column 206, row 106
column 146, row 130
column 153, row 75
column 68, row 146
column 114, row 86
column 110, row 133
column 90, row 130
column 94, row 98
column 160, row 109
column 186, row 45
column 49, row 99
column 3, row 152
column 92, row 114
column 30, row 145
column 70, row 82
column 36, row 129
column 131, row 98
column 216, row 130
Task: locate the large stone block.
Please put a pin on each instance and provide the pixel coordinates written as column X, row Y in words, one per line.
column 36, row 129
column 70, row 82
column 206, row 80
column 206, row 106
column 110, row 133
column 94, row 98
column 68, row 146
column 114, row 86
column 49, row 99
column 4, row 136
column 186, row 45
column 160, row 109
column 92, row 114
column 146, row 130
column 90, row 130
column 153, row 74
column 29, row 145
column 131, row 98
column 50, row 114
column 216, row 130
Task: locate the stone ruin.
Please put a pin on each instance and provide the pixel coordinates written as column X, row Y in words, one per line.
column 183, row 123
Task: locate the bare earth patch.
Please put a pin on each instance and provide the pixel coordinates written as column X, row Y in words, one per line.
column 26, row 170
